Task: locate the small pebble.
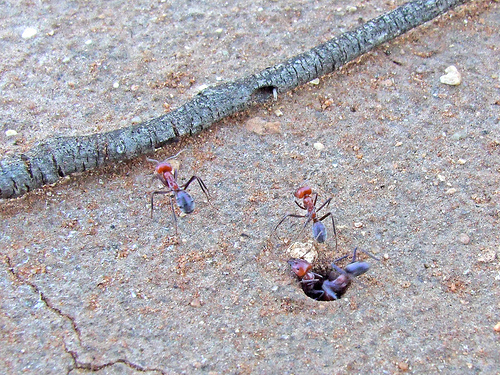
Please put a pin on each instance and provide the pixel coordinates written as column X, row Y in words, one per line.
column 116, row 84
column 136, row 120
column 452, row 76
column 314, row 81
column 278, row 113
column 464, row 238
column 351, row 9
column 497, row 327
column 403, row 366
column 487, row 256
column 29, row 33
column 386, row 256
column 451, row 191
column 461, row 161
column 459, row 135
column 10, row 133
column 319, row 146
column 304, row 251
column 358, row 224
column 260, row 126
column 195, row 302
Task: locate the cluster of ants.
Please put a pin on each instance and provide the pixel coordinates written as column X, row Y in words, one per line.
column 328, row 287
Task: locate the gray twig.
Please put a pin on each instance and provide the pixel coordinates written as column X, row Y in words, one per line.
column 54, row 158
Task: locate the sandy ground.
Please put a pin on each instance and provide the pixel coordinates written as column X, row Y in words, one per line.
column 91, row 283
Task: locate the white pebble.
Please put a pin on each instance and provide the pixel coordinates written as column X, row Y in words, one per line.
column 116, row 85
column 28, row 33
column 452, row 76
column 319, row 146
column 136, row 120
column 314, row 81
column 358, row 224
column 10, row 133
column 88, row 42
column 464, row 238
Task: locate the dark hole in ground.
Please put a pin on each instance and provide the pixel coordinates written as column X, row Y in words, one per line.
column 331, row 284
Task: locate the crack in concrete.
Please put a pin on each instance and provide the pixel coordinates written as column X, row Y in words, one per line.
column 92, row 367
column 74, row 354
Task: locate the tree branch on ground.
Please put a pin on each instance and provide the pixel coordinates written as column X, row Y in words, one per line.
column 50, row 160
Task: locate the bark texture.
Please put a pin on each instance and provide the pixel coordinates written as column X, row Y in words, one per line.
column 54, row 158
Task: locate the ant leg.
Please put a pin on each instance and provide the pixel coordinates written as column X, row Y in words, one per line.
column 173, row 214
column 298, row 204
column 152, row 198
column 333, row 225
column 200, row 182
column 367, row 253
column 327, row 203
column 282, row 220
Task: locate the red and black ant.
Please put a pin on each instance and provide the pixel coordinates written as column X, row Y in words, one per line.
column 309, row 204
column 163, row 172
column 334, row 285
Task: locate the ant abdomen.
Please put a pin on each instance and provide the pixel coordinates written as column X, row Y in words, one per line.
column 357, row 268
column 319, row 232
column 184, row 201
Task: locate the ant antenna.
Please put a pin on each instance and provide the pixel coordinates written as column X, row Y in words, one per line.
column 171, row 157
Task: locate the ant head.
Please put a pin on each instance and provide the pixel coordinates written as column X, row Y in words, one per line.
column 302, row 192
column 163, row 167
column 300, row 266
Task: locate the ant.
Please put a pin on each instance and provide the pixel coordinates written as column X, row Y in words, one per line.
column 331, row 287
column 163, row 172
column 309, row 204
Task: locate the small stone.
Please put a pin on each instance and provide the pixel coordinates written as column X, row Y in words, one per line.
column 459, row 135
column 314, row 81
column 461, row 161
column 278, row 113
column 451, row 191
column 303, row 250
column 196, row 302
column 441, row 178
column 452, row 76
column 88, row 42
column 260, row 126
column 497, row 327
column 28, row 33
column 398, row 144
column 319, row 146
column 387, row 82
column 351, row 9
column 116, row 84
column 135, row 120
column 358, row 224
column 464, row 238
column 10, row 133
column 386, row 256
column 488, row 256
column 403, row 366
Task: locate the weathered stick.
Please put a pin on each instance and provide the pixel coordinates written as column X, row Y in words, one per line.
column 50, row 160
